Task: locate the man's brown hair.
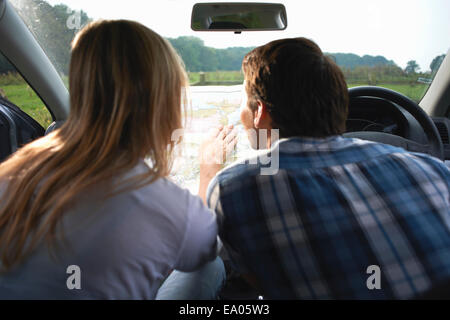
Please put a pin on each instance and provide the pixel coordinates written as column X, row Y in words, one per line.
column 304, row 90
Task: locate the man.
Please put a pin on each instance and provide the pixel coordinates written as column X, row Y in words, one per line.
column 339, row 218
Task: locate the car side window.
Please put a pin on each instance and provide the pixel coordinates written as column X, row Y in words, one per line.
column 14, row 88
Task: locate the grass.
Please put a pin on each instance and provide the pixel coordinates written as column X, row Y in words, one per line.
column 25, row 98
column 415, row 92
column 17, row 91
column 216, row 76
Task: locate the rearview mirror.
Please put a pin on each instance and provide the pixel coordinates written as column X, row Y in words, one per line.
column 238, row 17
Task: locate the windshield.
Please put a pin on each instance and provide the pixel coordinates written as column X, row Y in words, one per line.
column 395, row 44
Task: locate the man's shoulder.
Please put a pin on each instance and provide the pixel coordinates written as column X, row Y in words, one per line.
column 424, row 162
column 412, row 161
column 247, row 167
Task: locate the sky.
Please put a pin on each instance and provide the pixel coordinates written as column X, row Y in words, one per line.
column 400, row 30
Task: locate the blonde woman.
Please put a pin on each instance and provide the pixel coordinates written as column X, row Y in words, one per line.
column 82, row 216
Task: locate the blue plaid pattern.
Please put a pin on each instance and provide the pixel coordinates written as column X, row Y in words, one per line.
column 335, row 207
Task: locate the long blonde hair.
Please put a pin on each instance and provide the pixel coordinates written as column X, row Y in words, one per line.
column 126, row 87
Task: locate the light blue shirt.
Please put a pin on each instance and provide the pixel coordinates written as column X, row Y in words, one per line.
column 124, row 246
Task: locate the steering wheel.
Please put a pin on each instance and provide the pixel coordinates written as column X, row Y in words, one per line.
column 434, row 146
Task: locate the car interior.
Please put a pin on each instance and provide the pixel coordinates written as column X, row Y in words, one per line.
column 376, row 113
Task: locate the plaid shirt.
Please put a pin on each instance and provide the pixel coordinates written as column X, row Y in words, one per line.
column 335, row 207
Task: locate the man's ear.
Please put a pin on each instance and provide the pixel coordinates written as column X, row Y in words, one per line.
column 262, row 119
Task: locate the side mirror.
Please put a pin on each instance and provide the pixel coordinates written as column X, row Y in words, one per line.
column 238, row 17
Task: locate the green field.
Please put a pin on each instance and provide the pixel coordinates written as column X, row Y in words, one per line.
column 17, row 91
column 224, row 77
column 414, row 92
column 25, row 98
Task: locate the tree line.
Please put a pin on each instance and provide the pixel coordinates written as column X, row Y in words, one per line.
column 49, row 25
